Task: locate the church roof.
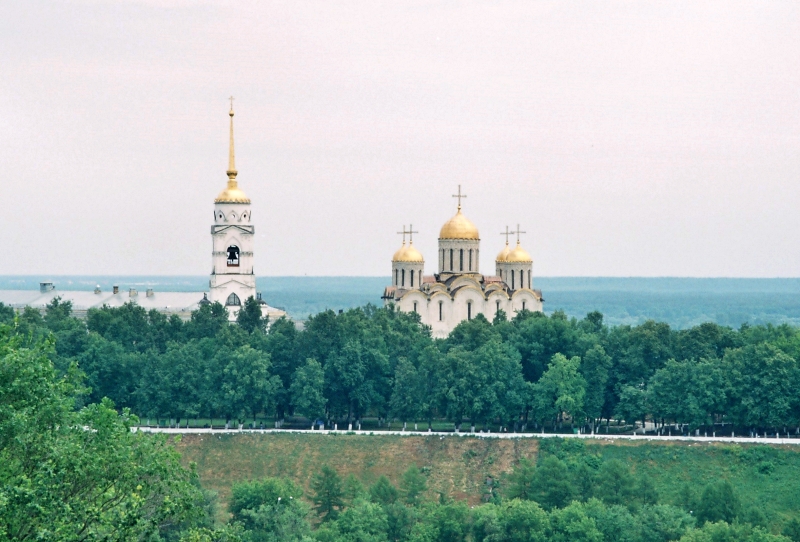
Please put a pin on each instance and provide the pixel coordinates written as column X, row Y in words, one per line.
column 408, row 254
column 459, row 227
column 518, row 255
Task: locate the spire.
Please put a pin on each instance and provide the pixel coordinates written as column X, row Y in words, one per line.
column 231, row 157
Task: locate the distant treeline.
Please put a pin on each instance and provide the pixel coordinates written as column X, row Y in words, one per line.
column 531, row 371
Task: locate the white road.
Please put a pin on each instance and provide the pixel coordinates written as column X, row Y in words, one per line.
column 206, row 431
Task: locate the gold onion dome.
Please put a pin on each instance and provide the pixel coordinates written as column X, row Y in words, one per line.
column 459, row 227
column 407, row 254
column 232, row 194
column 504, row 254
column 518, row 255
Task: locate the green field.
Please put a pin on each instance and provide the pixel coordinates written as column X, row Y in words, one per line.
column 763, row 476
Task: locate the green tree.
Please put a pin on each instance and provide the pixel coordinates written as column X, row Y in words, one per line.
column 632, row 406
column 77, row 475
column 413, row 485
column 383, row 492
column 520, row 483
column 363, row 522
column 551, row 484
column 252, row 495
column 521, row 521
column 573, row 524
column 615, row 483
column 561, row 390
column 307, row 390
column 594, row 369
column 718, row 502
column 406, row 392
column 247, row 387
column 250, row 317
column 328, row 497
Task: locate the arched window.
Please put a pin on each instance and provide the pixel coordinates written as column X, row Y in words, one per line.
column 523, row 305
column 412, row 282
column 498, row 307
column 396, row 282
column 440, row 311
column 451, row 259
column 521, row 279
column 233, row 256
column 415, row 306
column 461, row 260
column 233, row 300
column 512, row 279
column 403, row 277
column 469, row 310
column 470, row 259
column 530, row 285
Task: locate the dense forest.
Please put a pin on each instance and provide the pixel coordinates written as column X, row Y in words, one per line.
column 71, row 469
column 528, row 373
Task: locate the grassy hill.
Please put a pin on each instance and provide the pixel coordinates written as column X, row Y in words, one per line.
column 455, row 466
column 763, row 476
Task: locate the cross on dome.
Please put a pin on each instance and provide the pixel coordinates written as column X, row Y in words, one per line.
column 517, row 231
column 459, row 196
column 506, row 233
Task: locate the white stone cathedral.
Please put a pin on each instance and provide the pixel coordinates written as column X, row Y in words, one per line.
column 232, row 277
column 459, row 291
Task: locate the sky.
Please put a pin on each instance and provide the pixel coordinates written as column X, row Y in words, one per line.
column 627, row 138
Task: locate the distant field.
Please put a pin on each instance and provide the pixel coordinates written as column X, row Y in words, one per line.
column 681, row 302
column 763, row 476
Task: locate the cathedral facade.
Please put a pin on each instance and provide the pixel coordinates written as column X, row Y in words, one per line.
column 232, row 277
column 458, row 291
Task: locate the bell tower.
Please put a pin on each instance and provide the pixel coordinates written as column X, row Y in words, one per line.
column 232, row 278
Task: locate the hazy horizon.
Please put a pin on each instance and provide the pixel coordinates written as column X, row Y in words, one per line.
column 629, row 139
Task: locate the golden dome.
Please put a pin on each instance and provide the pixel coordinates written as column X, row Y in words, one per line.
column 503, row 254
column 408, row 254
column 232, row 194
column 518, row 255
column 459, row 227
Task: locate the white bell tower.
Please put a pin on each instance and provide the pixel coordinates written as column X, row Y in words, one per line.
column 232, row 278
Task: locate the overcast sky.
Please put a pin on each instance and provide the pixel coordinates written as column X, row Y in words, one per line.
column 627, row 138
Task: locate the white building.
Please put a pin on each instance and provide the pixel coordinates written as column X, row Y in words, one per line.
column 232, row 277
column 458, row 291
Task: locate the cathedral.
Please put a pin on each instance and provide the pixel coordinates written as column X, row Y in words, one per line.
column 458, row 291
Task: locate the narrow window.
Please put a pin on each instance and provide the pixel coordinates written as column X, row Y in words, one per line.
column 451, row 259
column 469, row 311
column 396, row 282
column 470, row 259
column 523, row 305
column 440, row 311
column 512, row 280
column 403, row 277
column 501, row 273
column 521, row 279
column 415, row 306
column 461, row 260
column 498, row 307
column 412, row 282
column 530, row 285
column 444, row 257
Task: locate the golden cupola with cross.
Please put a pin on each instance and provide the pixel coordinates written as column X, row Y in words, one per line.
column 407, row 263
column 232, row 237
column 515, row 266
column 459, row 243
